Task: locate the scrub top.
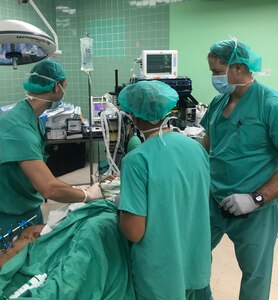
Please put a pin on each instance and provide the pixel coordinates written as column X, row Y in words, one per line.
column 169, row 185
column 21, row 138
column 243, row 146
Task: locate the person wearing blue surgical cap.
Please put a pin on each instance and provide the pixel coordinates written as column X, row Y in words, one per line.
column 25, row 178
column 241, row 127
column 164, row 199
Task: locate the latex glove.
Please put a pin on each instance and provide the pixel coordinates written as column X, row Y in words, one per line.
column 239, row 204
column 91, row 192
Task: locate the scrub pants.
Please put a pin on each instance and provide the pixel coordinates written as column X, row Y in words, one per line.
column 254, row 239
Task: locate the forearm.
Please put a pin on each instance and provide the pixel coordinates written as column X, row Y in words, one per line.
column 63, row 193
column 49, row 186
column 270, row 189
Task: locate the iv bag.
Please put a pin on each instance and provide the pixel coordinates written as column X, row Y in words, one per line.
column 86, row 47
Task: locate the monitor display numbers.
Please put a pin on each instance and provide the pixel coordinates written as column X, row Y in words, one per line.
column 159, row 63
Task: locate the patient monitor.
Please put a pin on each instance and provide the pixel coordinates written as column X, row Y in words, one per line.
column 159, row 64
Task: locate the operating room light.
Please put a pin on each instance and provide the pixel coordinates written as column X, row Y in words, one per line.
column 22, row 43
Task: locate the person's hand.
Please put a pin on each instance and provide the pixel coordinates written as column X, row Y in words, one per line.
column 91, row 192
column 239, row 204
column 109, row 178
column 110, row 188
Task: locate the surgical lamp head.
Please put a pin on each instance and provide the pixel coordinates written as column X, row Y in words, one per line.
column 148, row 100
column 22, row 43
column 43, row 76
column 232, row 51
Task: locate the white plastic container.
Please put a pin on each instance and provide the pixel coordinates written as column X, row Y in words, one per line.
column 34, row 282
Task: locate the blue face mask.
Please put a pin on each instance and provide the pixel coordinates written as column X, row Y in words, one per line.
column 222, row 85
column 56, row 104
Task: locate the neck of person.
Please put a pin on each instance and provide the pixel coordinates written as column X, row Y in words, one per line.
column 240, row 90
column 149, row 129
column 156, row 131
column 235, row 97
column 38, row 106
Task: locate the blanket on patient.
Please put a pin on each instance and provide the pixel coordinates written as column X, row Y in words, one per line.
column 85, row 257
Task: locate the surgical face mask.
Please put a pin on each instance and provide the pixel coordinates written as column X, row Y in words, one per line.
column 64, row 93
column 222, row 85
column 56, row 104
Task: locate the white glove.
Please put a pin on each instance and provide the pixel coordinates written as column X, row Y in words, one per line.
column 91, row 192
column 239, row 204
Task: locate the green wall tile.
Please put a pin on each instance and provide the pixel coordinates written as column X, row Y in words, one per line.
column 120, row 32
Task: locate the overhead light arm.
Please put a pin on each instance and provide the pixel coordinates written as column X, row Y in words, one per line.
column 57, row 52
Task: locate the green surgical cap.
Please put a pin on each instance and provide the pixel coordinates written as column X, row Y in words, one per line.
column 43, row 76
column 133, row 143
column 233, row 51
column 148, row 100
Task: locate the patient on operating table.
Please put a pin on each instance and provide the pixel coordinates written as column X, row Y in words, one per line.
column 109, row 190
column 27, row 236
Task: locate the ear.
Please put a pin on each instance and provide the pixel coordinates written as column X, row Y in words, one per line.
column 56, row 87
column 239, row 68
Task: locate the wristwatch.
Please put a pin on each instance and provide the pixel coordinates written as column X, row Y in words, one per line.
column 258, row 198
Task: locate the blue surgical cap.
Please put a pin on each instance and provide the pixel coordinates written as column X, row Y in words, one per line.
column 233, row 51
column 43, row 76
column 148, row 100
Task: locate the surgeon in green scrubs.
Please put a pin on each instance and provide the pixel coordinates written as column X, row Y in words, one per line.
column 25, row 179
column 241, row 126
column 164, row 199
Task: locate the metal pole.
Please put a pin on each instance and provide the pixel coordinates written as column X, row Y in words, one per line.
column 90, row 133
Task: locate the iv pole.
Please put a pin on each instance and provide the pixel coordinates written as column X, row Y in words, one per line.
column 90, row 131
column 86, row 47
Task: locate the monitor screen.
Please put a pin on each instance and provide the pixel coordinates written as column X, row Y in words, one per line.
column 97, row 108
column 159, row 64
